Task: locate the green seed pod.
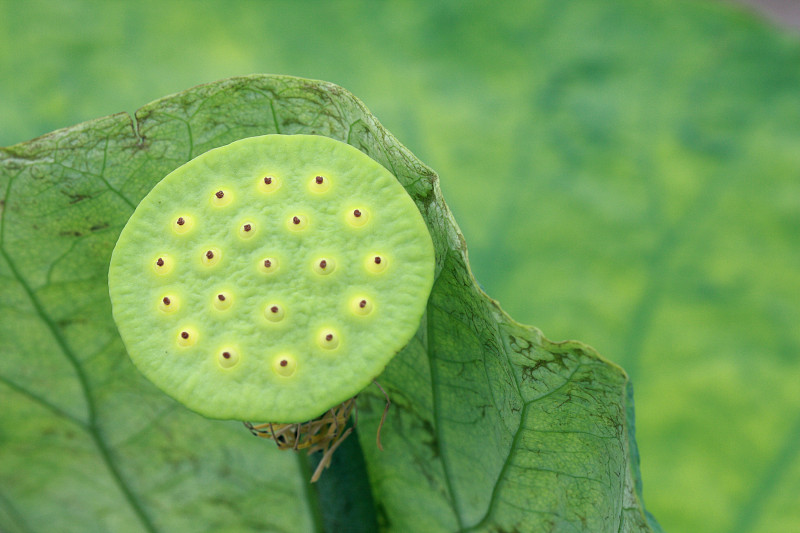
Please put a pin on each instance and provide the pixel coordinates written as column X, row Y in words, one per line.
column 271, row 279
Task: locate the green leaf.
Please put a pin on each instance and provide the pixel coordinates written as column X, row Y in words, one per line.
column 493, row 427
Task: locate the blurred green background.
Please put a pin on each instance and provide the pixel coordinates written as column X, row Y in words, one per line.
column 625, row 172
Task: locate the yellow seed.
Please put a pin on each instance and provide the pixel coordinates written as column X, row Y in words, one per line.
column 182, row 224
column 211, row 256
column 228, row 358
column 221, row 197
column 269, row 265
column 297, row 222
column 285, row 365
column 186, row 337
column 376, row 263
column 362, row 305
column 222, row 300
column 324, row 265
column 269, row 183
column 357, row 217
column 328, row 339
column 274, row 312
column 247, row 229
column 169, row 304
column 163, row 264
column 319, row 183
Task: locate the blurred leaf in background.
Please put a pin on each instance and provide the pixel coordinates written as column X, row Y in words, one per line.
column 626, row 173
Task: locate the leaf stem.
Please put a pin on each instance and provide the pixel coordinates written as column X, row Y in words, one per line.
column 342, row 495
column 310, row 492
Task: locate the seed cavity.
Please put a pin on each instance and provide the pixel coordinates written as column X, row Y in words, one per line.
column 274, row 312
column 269, row 184
column 328, row 339
column 268, row 265
column 168, row 304
column 187, row 337
column 247, row 230
column 221, row 197
column 223, row 300
column 211, row 256
column 362, row 306
column 319, row 184
column 182, row 224
column 376, row 263
column 324, row 266
column 357, row 217
column 297, row 222
column 228, row 358
column 285, row 365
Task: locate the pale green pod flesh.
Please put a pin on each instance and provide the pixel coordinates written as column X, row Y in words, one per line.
column 272, row 278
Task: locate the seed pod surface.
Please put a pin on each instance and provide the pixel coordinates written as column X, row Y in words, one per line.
column 282, row 246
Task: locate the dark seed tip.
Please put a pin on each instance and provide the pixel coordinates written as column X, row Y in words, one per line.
column 184, row 334
column 319, row 180
column 160, row 262
column 267, row 180
column 247, row 227
column 329, row 337
column 166, row 300
column 296, row 220
column 226, row 355
column 219, row 194
column 362, row 304
column 284, row 362
column 210, row 254
column 377, row 260
column 267, row 263
column 356, row 213
column 221, row 297
column 181, row 221
column 323, row 264
column 274, row 308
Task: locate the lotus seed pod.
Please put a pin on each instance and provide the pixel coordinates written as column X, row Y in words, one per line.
column 271, row 279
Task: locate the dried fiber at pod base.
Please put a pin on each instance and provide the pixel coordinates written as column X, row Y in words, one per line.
column 272, row 278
